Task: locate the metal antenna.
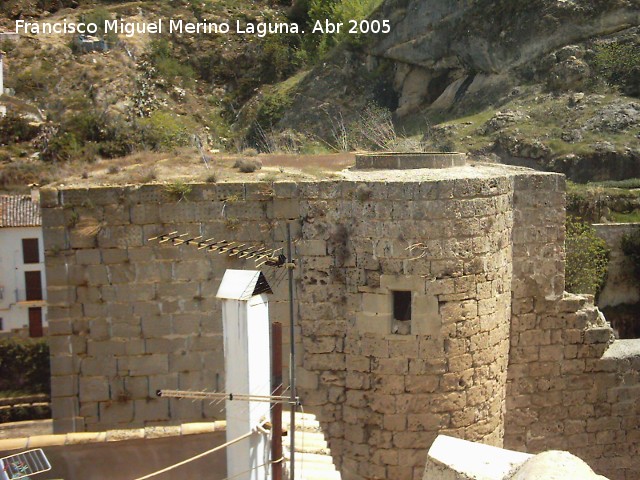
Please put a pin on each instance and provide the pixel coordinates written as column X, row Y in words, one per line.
column 261, row 255
column 292, row 356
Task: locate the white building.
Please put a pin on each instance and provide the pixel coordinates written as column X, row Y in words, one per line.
column 22, row 273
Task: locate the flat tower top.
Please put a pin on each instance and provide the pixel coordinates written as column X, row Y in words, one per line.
column 406, row 161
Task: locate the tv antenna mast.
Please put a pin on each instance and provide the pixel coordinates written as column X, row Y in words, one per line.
column 262, row 256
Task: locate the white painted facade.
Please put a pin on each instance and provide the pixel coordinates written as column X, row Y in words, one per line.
column 14, row 308
column 247, row 360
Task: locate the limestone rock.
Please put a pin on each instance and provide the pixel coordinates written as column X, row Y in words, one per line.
column 501, row 120
column 615, row 118
column 570, row 74
column 555, row 465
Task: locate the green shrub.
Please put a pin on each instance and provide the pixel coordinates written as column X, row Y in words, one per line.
column 15, row 129
column 167, row 66
column 619, row 64
column 179, row 189
column 171, row 69
column 98, row 16
column 246, row 165
column 631, row 248
column 19, row 414
column 628, row 183
column 335, row 11
column 62, row 147
column 280, row 56
column 163, row 130
column 21, row 173
column 35, row 82
column 587, row 257
column 25, row 366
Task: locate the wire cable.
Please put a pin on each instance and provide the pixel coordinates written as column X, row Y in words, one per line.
column 254, row 468
column 196, row 457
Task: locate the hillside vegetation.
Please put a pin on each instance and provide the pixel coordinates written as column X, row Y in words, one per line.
column 548, row 84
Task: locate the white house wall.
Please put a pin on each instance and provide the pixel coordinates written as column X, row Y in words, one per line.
column 14, row 310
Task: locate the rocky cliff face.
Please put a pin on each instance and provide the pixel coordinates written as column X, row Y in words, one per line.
column 552, row 65
column 451, row 47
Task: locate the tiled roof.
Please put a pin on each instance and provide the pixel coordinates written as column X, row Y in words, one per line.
column 19, row 211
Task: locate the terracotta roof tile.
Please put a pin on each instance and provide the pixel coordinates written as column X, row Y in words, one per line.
column 19, row 211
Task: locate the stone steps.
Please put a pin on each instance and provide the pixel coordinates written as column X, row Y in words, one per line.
column 313, row 460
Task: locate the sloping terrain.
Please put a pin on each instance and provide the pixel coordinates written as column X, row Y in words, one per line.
column 552, row 84
column 146, row 92
column 548, row 83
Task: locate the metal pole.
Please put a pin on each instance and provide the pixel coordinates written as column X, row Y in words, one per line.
column 276, row 389
column 292, row 359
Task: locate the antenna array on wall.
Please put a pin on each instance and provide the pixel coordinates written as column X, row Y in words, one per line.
column 260, row 254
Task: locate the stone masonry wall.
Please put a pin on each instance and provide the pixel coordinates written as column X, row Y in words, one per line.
column 394, row 392
column 564, row 392
column 129, row 317
column 494, row 349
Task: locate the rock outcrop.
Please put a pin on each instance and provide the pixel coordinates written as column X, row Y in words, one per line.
column 452, row 45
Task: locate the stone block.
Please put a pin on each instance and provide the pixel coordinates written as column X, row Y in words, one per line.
column 552, row 353
column 48, row 198
column 421, row 383
column 145, row 214
column 61, row 295
column 97, row 275
column 413, row 283
column 287, row 209
column 60, row 327
column 116, row 412
column 414, row 439
column 426, row 319
column 391, row 366
column 598, row 335
column 186, row 324
column 98, row 367
column 64, row 386
column 401, row 346
column 372, row 323
column 185, row 362
column 62, row 365
column 94, row 389
column 106, row 348
column 154, row 409
column 376, row 304
column 55, row 239
column 153, row 364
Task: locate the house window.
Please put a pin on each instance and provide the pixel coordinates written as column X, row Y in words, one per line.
column 30, row 251
column 33, row 285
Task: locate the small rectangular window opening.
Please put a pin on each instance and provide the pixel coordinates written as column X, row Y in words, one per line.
column 402, row 305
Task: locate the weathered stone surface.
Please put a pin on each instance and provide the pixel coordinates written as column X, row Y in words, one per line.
column 490, row 329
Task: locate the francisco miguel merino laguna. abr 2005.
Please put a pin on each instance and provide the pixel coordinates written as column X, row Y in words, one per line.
column 129, row 29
